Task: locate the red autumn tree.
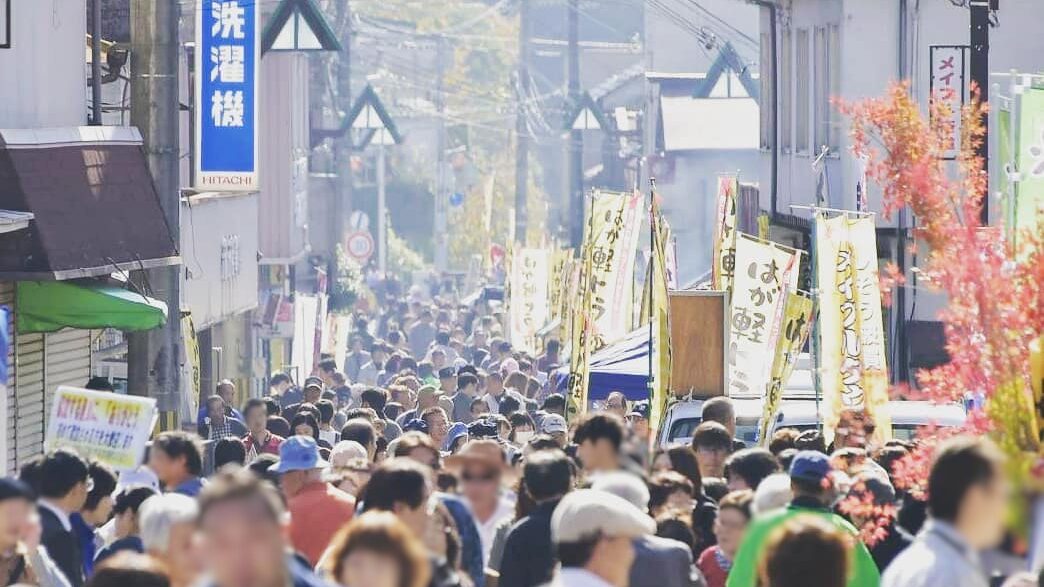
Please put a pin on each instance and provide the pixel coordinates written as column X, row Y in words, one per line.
column 995, row 294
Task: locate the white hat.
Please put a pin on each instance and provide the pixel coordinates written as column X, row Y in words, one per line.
column 345, row 452
column 587, row 513
column 624, row 485
column 552, row 423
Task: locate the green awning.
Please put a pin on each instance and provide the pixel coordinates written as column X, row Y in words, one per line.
column 47, row 306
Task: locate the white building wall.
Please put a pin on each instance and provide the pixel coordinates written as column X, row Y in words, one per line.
column 43, row 70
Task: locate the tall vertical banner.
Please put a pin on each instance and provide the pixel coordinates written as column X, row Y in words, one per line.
column 947, row 85
column 794, row 329
column 724, row 261
column 227, row 62
column 529, row 308
column 656, row 313
column 765, row 271
column 612, row 245
column 1030, row 163
column 190, row 382
column 850, row 330
column 580, row 331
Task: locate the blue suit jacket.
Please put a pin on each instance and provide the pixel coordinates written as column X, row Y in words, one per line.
column 662, row 562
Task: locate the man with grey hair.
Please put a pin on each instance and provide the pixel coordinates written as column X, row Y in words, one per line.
column 168, row 523
column 657, row 561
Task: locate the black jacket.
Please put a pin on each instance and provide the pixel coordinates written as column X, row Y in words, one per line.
column 529, row 557
column 63, row 547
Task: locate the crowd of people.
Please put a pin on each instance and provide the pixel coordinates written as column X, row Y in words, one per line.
column 440, row 456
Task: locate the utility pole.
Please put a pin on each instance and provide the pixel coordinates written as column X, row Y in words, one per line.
column 96, row 90
column 382, row 214
column 521, row 130
column 342, row 162
column 440, row 224
column 980, row 74
column 575, row 206
column 153, row 356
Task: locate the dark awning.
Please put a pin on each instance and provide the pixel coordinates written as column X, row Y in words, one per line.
column 49, row 306
column 94, row 204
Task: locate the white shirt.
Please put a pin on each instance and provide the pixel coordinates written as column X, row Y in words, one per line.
column 578, row 577
column 939, row 557
column 488, row 530
column 63, row 518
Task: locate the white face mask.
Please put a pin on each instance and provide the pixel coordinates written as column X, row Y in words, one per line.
column 523, row 436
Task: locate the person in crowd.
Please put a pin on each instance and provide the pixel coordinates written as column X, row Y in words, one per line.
column 855, row 429
column 226, row 390
column 258, row 439
column 313, row 392
column 177, row 459
column 229, row 451
column 657, row 561
column 479, row 408
column 317, row 509
column 733, row 516
column 281, row 389
column 466, row 391
column 682, row 459
column 968, row 495
column 772, row 494
column 131, row 569
column 872, row 491
column 23, row 559
column 522, row 429
column 638, row 422
column 425, row 400
column 404, row 487
column 554, row 404
column 306, row 424
column 355, row 359
column 361, row 431
column 438, row 424
column 481, row 465
column 529, row 557
column 350, row 467
column 422, row 334
column 720, row 409
column 806, row 550
column 327, row 433
column 598, row 439
column 167, row 526
column 97, row 510
column 326, row 369
column 218, row 423
column 242, row 526
column 64, row 482
column 447, row 380
column 810, row 481
column 669, row 491
column 550, row 357
column 556, row 427
column 376, row 399
column 494, row 391
column 712, row 444
column 746, row 468
column 377, row 550
column 128, row 529
column 594, row 532
column 278, row 426
column 616, row 403
column 783, row 439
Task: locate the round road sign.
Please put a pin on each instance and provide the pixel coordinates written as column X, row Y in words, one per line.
column 360, row 245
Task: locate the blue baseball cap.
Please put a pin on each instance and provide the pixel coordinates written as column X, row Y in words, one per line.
column 810, row 465
column 298, row 453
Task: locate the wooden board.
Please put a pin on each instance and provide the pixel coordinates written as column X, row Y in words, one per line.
column 698, row 341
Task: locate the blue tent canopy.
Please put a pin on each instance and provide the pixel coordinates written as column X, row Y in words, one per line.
column 622, row 366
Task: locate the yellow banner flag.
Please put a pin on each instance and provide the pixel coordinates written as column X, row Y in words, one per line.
column 851, row 343
column 794, row 329
column 1037, row 382
column 765, row 270
column 656, row 309
column 579, row 337
column 724, row 256
column 615, row 222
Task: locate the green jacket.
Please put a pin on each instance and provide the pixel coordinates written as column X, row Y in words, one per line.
column 744, row 571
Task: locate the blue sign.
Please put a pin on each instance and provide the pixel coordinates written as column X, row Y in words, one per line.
column 227, row 56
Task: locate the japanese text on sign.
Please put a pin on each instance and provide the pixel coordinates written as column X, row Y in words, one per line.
column 947, row 85
column 106, row 426
column 226, row 114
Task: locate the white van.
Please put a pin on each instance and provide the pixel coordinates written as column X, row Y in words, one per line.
column 801, row 413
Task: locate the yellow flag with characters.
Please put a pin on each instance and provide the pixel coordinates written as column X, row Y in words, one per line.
column 656, row 311
column 794, row 329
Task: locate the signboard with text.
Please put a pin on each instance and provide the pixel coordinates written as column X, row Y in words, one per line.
column 227, row 59
column 106, row 426
column 947, row 84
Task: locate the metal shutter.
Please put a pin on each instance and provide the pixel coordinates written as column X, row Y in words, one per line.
column 28, row 404
column 67, row 361
column 7, row 298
